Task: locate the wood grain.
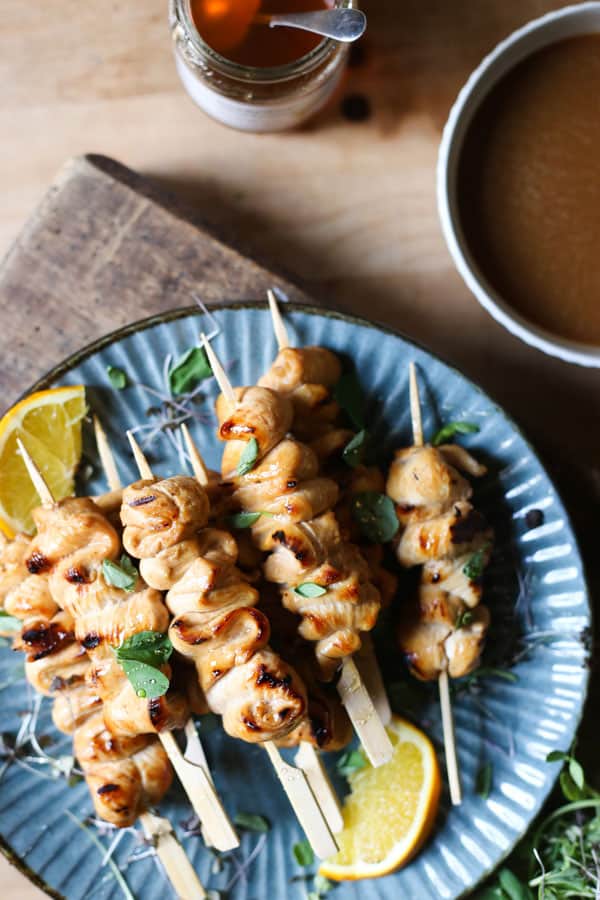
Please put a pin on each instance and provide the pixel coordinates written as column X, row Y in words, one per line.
column 347, row 208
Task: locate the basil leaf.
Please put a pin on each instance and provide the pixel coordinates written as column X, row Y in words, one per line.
column 252, row 822
column 310, row 589
column 243, row 519
column 303, row 853
column 474, row 567
column 483, row 781
column 248, row 457
column 117, row 377
column 511, row 885
column 151, row 647
column 351, row 761
column 557, row 756
column 147, row 681
column 9, row 623
column 464, row 618
column 376, row 516
column 446, row 433
column 354, row 451
column 576, row 773
column 190, row 369
column 121, row 575
column 490, row 672
column 348, row 394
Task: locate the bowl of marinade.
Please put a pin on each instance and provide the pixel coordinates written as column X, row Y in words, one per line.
column 518, row 183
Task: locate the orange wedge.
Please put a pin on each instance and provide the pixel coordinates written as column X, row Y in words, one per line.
column 49, row 424
column 390, row 811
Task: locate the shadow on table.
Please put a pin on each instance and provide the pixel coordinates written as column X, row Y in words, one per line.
column 416, row 55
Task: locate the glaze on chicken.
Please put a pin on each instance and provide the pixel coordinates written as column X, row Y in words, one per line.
column 216, row 622
column 124, row 775
column 444, row 627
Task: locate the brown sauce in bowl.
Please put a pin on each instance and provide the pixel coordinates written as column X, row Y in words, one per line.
column 529, row 188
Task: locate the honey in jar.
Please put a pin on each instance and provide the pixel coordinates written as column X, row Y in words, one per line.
column 248, row 75
column 231, row 28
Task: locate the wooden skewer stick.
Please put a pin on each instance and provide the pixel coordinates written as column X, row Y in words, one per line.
column 443, row 680
column 316, row 776
column 195, row 778
column 307, row 757
column 365, row 701
column 176, row 862
column 278, row 323
column 196, row 783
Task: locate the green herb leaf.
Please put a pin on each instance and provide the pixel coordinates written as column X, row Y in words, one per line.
column 122, row 575
column 571, row 790
column 463, row 618
column 557, row 756
column 376, row 516
column 354, row 451
column 146, row 681
column 512, row 886
column 490, row 672
column 243, row 519
column 303, row 853
column 322, row 885
column 310, row 589
column 252, row 822
column 351, row 761
column 9, row 623
column 117, row 377
column 248, row 457
column 140, row 657
column 446, row 433
column 483, row 781
column 151, row 647
column 349, row 395
column 474, row 567
column 576, row 773
column 189, row 370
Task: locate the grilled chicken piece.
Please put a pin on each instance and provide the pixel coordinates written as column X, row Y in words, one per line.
column 124, row 775
column 302, row 536
column 123, row 778
column 259, row 414
column 308, row 376
column 327, row 726
column 216, row 623
column 74, row 539
column 444, row 628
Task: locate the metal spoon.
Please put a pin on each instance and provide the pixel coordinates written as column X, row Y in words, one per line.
column 344, row 25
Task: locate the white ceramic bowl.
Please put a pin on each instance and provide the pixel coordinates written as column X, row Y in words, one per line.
column 568, row 22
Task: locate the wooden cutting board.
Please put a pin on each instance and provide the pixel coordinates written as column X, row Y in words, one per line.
column 103, row 248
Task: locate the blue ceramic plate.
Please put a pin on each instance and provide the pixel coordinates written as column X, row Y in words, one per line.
column 536, row 591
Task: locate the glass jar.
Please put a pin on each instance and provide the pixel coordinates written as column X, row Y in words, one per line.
column 251, row 98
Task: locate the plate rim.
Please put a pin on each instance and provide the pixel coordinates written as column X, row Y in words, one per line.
column 123, row 331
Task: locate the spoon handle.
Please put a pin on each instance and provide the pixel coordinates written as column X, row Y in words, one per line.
column 343, row 25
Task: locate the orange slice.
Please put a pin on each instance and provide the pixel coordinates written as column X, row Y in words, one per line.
column 49, row 424
column 390, row 811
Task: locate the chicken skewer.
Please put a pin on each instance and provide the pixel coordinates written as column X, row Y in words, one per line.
column 442, row 634
column 239, row 637
column 315, row 416
column 198, row 786
column 307, row 758
column 123, row 774
column 194, row 752
column 271, row 420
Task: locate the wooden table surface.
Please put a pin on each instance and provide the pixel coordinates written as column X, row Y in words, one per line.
column 347, row 207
